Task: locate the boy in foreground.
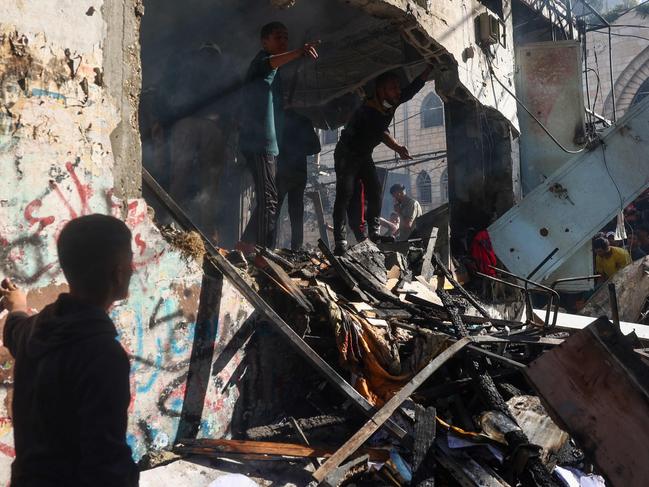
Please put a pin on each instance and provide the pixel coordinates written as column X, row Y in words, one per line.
column 71, row 376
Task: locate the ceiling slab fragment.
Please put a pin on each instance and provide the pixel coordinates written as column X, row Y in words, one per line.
column 359, row 40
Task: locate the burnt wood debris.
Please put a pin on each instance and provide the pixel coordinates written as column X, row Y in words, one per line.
column 416, row 381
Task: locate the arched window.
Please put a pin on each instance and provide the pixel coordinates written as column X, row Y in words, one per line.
column 443, row 185
column 642, row 92
column 424, row 189
column 432, row 111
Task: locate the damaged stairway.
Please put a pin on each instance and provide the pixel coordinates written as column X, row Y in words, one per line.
column 560, row 215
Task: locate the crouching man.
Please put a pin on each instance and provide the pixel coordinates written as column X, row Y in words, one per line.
column 71, row 376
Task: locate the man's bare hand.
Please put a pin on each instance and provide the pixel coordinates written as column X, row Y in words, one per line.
column 403, row 152
column 309, row 50
column 13, row 299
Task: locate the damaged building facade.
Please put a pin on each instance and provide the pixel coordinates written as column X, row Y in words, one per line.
column 92, row 94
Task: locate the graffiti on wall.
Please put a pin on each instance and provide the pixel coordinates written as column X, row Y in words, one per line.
column 56, row 163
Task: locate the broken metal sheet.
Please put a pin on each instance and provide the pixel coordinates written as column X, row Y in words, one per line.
column 548, row 81
column 596, row 388
column 561, row 215
column 576, row 322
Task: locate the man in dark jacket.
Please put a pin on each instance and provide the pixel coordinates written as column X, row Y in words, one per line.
column 71, row 376
column 367, row 128
column 298, row 142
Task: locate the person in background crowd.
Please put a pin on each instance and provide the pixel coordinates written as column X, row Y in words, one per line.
column 391, row 226
column 299, row 141
column 643, row 237
column 407, row 208
column 634, row 247
column 610, row 236
column 609, row 259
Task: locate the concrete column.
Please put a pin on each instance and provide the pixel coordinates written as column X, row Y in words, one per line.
column 482, row 177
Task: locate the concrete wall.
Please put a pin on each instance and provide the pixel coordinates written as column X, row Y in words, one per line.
column 69, row 79
column 630, row 63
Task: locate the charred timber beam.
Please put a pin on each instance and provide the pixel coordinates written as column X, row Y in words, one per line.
column 526, row 463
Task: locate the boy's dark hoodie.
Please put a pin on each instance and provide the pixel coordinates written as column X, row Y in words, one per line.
column 71, row 395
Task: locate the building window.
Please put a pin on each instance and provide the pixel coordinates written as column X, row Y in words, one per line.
column 432, row 111
column 329, row 136
column 424, row 188
column 642, row 92
column 443, row 185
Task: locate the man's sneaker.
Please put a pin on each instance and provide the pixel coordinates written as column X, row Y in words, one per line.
column 340, row 248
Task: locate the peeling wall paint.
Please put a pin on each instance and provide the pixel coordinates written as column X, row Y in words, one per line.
column 57, row 163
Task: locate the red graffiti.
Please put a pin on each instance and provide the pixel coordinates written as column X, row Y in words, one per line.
column 7, row 450
column 84, row 190
column 64, row 200
column 133, row 216
column 141, row 244
column 32, row 219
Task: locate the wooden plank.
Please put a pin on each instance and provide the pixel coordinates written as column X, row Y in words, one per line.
column 341, row 271
column 274, row 448
column 596, row 389
column 383, row 414
column 316, row 197
column 427, row 269
column 284, row 280
column 232, row 274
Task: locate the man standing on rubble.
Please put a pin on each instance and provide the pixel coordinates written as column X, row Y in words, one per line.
column 262, row 125
column 367, row 128
column 298, row 142
column 407, row 208
column 71, row 375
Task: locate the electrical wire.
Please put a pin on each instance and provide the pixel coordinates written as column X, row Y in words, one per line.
column 549, row 134
column 619, row 193
column 596, row 89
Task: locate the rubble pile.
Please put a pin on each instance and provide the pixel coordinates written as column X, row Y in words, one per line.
column 445, row 391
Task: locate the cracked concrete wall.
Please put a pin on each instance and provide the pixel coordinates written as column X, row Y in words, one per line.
column 450, row 25
column 69, row 80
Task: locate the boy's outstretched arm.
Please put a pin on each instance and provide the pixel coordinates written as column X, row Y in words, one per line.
column 308, row 50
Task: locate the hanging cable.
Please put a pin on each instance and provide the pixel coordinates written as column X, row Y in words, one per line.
column 552, row 137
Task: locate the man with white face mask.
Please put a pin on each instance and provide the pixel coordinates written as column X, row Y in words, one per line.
column 367, row 128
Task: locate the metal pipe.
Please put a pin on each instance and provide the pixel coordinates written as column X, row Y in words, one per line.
column 528, row 302
column 550, row 291
column 574, row 279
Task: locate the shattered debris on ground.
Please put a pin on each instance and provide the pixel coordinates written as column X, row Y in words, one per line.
column 444, row 395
